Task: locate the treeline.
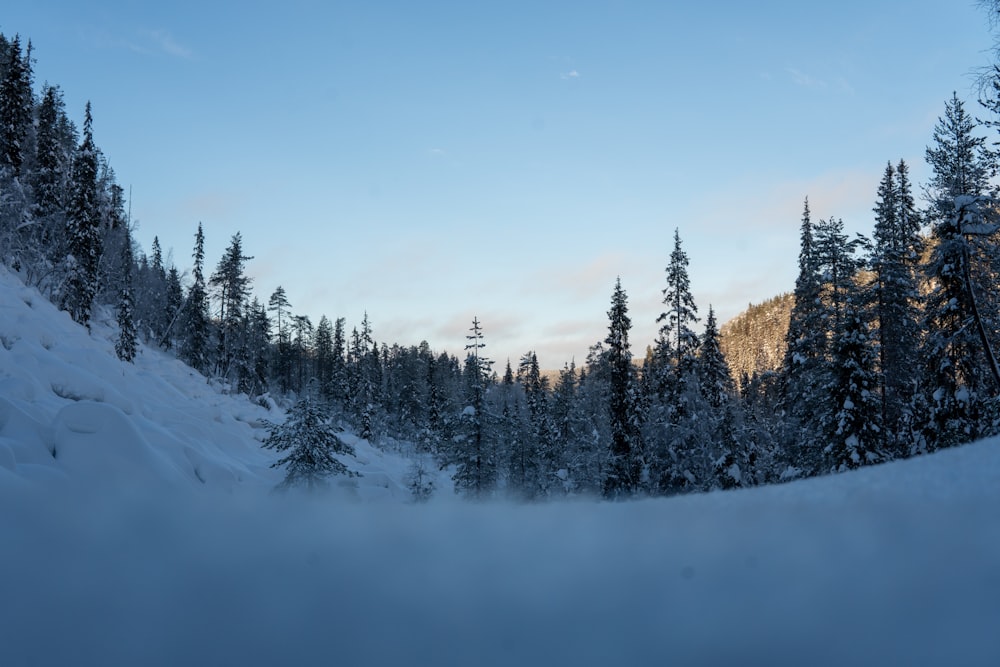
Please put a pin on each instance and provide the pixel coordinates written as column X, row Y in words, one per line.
column 888, row 351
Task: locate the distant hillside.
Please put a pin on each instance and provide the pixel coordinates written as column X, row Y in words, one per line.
column 754, row 340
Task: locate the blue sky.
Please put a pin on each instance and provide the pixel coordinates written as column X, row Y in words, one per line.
column 428, row 162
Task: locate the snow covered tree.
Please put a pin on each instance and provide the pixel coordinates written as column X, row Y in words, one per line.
column 713, row 371
column 827, row 269
column 197, row 321
column 895, row 263
column 323, row 348
column 420, row 481
column 83, row 230
column 805, row 342
column 279, row 305
column 125, row 347
column 957, row 385
column 310, row 443
column 678, row 342
column 476, row 472
column 232, row 287
column 16, row 108
column 853, row 428
column 536, row 456
column 54, row 151
column 623, row 473
column 51, row 181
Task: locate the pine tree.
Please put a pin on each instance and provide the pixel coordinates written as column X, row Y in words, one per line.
column 805, row 341
column 196, row 328
column 476, row 471
column 232, row 290
column 713, row 371
column 323, row 348
column 957, row 385
column 625, row 458
column 53, row 159
column 338, row 378
column 16, row 107
column 83, row 229
column 678, row 342
column 895, row 259
column 852, row 425
column 125, row 347
column 279, row 305
column 311, row 443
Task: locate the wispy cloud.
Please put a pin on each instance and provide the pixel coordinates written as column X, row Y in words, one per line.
column 437, row 151
column 157, row 42
column 166, row 43
column 805, row 80
column 571, row 75
column 800, row 78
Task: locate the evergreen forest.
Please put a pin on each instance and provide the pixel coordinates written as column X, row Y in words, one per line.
column 885, row 348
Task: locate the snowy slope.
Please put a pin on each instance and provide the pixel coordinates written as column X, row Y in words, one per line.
column 150, row 539
column 71, row 412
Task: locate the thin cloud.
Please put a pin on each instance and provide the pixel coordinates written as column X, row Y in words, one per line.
column 800, row 78
column 165, row 43
column 804, row 80
column 571, row 75
column 158, row 42
column 437, row 151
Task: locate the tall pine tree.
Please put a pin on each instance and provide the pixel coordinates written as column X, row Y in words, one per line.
column 623, row 476
column 83, row 230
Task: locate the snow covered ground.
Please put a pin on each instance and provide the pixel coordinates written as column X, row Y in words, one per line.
column 137, row 528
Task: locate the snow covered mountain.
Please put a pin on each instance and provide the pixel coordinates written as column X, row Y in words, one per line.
column 137, row 528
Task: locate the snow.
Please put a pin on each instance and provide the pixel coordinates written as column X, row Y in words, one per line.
column 137, row 526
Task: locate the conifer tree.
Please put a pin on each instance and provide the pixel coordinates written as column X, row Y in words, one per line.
column 311, row 443
column 196, row 315
column 894, row 262
column 83, row 230
column 805, row 365
column 338, row 378
column 125, row 347
column 476, row 462
column 853, row 428
column 232, row 290
column 279, row 305
column 53, row 158
column 713, row 371
column 323, row 347
column 678, row 341
column 16, row 107
column 625, row 458
column 957, row 385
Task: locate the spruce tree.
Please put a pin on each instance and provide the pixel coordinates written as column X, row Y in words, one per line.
column 83, row 230
column 957, row 385
column 323, row 347
column 125, row 347
column 678, row 340
column 232, row 287
column 311, row 443
column 623, row 475
column 895, row 262
column 476, row 471
column 279, row 305
column 53, row 159
column 195, row 348
column 16, row 107
column 819, row 300
column 853, row 427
